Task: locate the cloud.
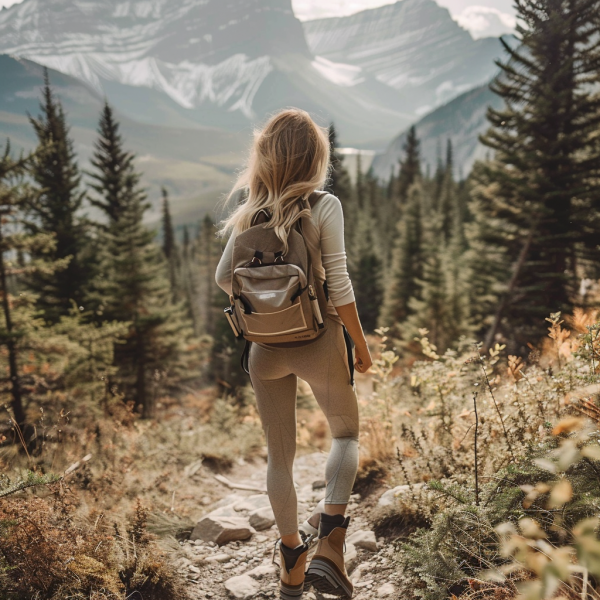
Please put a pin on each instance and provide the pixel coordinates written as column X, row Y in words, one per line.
column 483, row 21
column 7, row 3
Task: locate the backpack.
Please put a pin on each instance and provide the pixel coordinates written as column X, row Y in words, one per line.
column 276, row 298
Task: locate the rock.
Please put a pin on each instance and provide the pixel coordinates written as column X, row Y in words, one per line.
column 241, row 586
column 252, row 503
column 222, row 530
column 262, row 518
column 363, row 539
column 221, row 557
column 262, row 570
column 387, row 589
column 350, row 557
column 319, row 484
column 389, row 498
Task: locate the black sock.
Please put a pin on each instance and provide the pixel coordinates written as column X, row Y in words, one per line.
column 331, row 522
column 291, row 555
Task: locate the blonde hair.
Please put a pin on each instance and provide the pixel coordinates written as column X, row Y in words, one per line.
column 289, row 160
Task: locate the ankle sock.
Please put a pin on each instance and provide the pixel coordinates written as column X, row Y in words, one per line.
column 291, row 555
column 331, row 522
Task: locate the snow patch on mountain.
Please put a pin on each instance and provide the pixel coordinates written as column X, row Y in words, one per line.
column 339, row 73
column 233, row 81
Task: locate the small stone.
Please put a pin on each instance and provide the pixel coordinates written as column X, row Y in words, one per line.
column 262, row 518
column 194, row 569
column 363, row 539
column 389, row 498
column 221, row 557
column 350, row 557
column 262, row 570
column 221, row 530
column 241, row 586
column 319, row 484
column 387, row 589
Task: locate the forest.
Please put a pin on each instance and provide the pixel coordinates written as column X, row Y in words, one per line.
column 124, row 398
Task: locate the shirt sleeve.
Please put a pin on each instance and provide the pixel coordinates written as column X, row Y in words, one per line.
column 223, row 274
column 333, row 251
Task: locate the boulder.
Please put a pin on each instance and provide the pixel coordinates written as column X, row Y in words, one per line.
column 387, row 589
column 262, row 518
column 242, row 587
column 222, row 530
column 363, row 539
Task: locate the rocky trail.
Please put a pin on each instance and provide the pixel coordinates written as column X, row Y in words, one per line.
column 229, row 553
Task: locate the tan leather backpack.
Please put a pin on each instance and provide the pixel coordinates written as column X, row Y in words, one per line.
column 276, row 298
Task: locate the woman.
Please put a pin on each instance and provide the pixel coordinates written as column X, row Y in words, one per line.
column 289, row 160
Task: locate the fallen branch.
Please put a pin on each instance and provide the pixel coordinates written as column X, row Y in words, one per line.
column 239, row 486
column 78, row 464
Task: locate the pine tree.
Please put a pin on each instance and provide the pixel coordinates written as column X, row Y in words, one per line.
column 410, row 166
column 407, row 261
column 114, row 176
column 547, row 160
column 170, row 249
column 54, row 210
column 366, row 271
column 14, row 199
column 134, row 287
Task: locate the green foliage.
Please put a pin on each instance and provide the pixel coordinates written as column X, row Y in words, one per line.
column 54, row 211
column 543, row 177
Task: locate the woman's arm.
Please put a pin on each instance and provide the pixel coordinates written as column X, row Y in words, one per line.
column 349, row 316
column 223, row 274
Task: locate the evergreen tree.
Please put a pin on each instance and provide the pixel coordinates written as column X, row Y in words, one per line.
column 169, row 246
column 54, row 210
column 340, row 185
column 366, row 272
column 410, row 166
column 114, row 176
column 407, row 261
column 547, row 159
column 134, row 287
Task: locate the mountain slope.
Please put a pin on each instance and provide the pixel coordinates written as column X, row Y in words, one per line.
column 196, row 164
column 461, row 120
column 414, row 46
column 214, row 62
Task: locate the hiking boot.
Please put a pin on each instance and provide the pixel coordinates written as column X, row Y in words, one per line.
column 327, row 571
column 292, row 568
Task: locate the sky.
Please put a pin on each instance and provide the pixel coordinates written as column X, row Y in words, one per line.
column 480, row 17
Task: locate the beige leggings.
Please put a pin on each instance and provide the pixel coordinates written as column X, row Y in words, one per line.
column 323, row 365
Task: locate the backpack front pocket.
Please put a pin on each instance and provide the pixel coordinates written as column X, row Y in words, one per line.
column 270, row 288
column 283, row 322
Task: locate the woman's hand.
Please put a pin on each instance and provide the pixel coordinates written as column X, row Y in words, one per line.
column 362, row 358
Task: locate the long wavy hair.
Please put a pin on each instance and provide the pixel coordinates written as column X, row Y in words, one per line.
column 289, row 159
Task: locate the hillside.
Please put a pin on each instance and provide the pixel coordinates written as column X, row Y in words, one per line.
column 462, row 120
column 196, row 163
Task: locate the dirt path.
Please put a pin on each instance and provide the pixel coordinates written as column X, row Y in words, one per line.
column 243, row 568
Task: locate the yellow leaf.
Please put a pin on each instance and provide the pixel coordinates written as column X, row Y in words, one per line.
column 568, row 425
column 561, row 493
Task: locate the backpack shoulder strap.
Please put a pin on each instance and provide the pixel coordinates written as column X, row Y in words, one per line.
column 262, row 216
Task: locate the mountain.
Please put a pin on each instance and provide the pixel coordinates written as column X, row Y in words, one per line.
column 413, row 46
column 461, row 120
column 196, row 163
column 220, row 63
